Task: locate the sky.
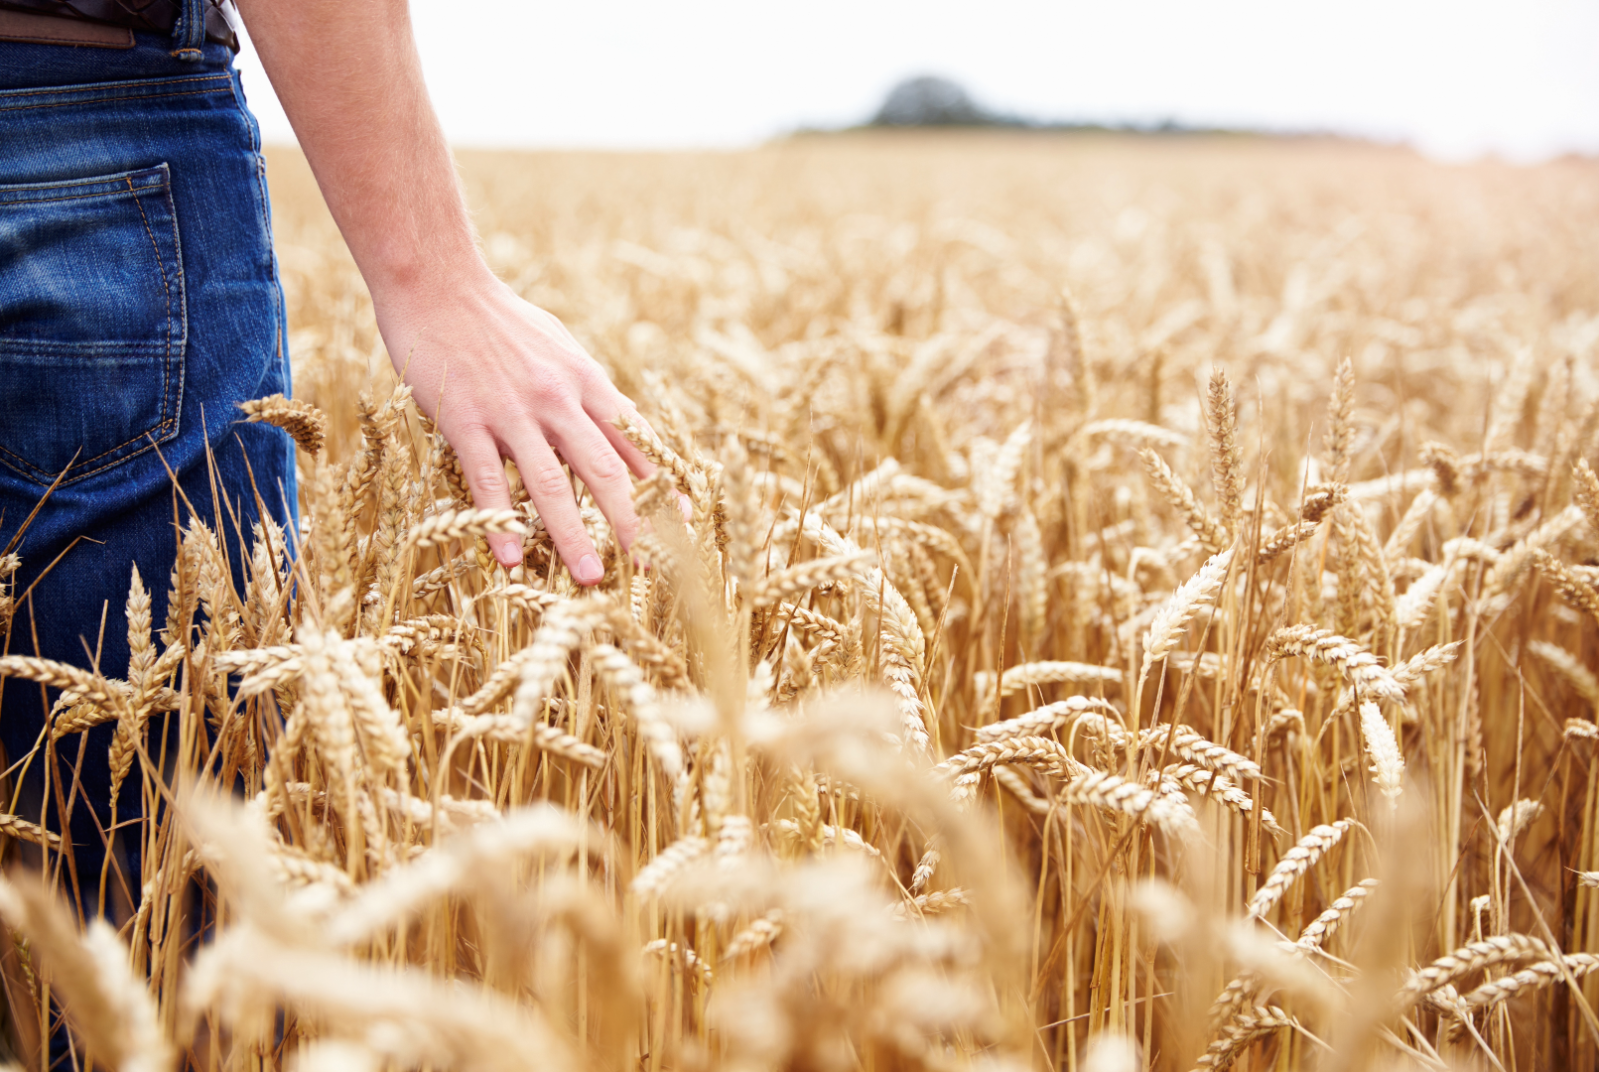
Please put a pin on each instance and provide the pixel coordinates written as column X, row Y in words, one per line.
column 1458, row 80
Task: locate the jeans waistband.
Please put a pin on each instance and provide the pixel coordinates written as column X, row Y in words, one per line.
column 189, row 22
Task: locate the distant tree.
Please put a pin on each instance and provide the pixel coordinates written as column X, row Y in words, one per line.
column 928, row 101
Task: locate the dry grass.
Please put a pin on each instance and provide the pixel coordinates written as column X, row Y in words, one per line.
column 931, row 741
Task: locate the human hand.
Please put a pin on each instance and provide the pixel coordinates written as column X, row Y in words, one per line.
column 502, row 378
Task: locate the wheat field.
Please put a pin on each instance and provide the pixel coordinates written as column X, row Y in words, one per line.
column 1137, row 610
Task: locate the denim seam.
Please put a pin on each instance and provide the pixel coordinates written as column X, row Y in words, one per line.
column 153, row 176
column 166, row 368
column 127, row 348
column 105, row 100
column 35, row 473
column 148, row 178
column 78, row 197
column 263, row 208
column 131, row 83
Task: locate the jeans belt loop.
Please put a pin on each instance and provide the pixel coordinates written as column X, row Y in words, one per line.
column 188, row 34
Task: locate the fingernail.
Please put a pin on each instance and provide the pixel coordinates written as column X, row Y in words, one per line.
column 685, row 506
column 508, row 554
column 589, row 570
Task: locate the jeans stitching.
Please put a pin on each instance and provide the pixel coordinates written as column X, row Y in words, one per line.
column 131, row 83
column 37, row 474
column 146, row 176
column 126, row 349
column 105, row 100
column 166, row 366
column 116, row 192
column 263, row 210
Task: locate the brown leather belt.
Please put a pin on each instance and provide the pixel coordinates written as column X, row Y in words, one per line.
column 150, row 16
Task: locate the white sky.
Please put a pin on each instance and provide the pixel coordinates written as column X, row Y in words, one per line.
column 1458, row 79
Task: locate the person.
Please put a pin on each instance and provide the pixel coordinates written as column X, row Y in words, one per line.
column 140, row 305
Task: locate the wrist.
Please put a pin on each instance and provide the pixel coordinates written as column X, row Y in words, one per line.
column 419, row 311
column 427, row 275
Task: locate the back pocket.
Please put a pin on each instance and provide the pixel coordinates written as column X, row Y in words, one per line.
column 92, row 323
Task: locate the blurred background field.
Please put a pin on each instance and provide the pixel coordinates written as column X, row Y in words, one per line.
column 1276, row 256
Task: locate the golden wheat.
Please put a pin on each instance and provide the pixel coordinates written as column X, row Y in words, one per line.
column 926, row 660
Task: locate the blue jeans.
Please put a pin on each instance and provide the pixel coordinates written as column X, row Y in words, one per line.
column 139, row 305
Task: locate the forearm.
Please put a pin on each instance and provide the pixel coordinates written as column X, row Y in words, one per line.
column 348, row 75
column 499, row 376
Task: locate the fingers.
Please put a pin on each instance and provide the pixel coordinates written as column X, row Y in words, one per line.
column 551, row 490
column 485, row 476
column 642, row 467
column 593, row 457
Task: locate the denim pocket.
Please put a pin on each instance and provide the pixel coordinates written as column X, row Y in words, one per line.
column 92, row 323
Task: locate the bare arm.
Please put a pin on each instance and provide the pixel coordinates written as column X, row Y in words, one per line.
column 501, row 377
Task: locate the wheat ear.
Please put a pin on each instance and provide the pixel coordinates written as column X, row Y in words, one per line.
column 1340, row 423
column 759, row 934
column 1042, row 752
column 1294, row 863
column 775, row 587
column 1285, row 539
column 1043, row 720
column 1585, row 491
column 667, row 864
column 458, row 524
column 1172, row 619
column 1245, row 1026
column 1211, row 533
column 1114, row 793
column 1568, row 584
column 1387, row 763
column 1226, row 461
column 1133, row 433
column 1213, row 786
column 1359, row 666
column 1470, row 958
column 625, row 677
column 19, row 828
column 1324, row 926
column 1533, row 976
column 1568, row 666
column 1581, row 728
column 1189, row 746
column 1028, row 675
column 108, row 1007
column 305, row 424
column 1515, row 818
